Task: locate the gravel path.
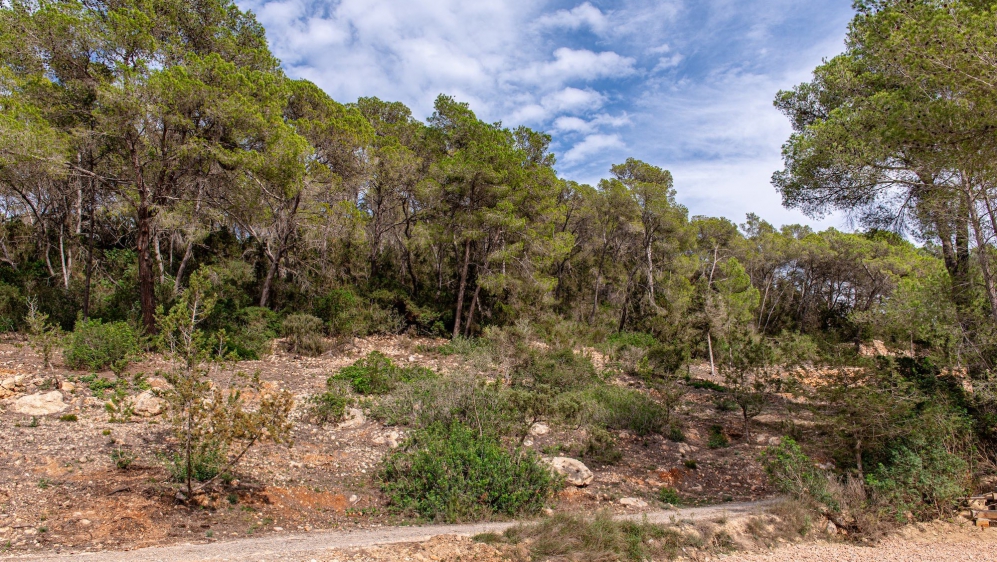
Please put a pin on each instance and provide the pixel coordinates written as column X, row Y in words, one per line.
column 308, row 546
column 946, row 549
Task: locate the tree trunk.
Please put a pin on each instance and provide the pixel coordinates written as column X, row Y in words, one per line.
column 183, row 265
column 271, row 275
column 146, row 278
column 462, row 288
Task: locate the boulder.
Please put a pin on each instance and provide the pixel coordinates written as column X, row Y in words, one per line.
column 539, row 429
column 354, row 418
column 574, row 471
column 67, row 386
column 148, row 404
column 633, row 502
column 158, row 383
column 685, row 449
column 40, row 404
column 9, row 383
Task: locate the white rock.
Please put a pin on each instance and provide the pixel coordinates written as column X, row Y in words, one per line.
column 392, row 439
column 148, row 404
column 527, row 442
column 539, row 429
column 40, row 404
column 354, row 418
column 354, row 498
column 775, row 441
column 157, row 383
column 686, row 449
column 574, row 471
column 9, row 383
column 67, row 386
column 633, row 502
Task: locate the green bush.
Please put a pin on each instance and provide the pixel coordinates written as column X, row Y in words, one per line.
column 632, row 339
column 924, row 481
column 207, row 459
column 330, row 405
column 304, row 334
column 96, row 346
column 717, row 438
column 794, row 473
column 601, row 447
column 561, row 371
column 466, row 399
column 669, row 496
column 456, row 473
column 352, row 316
column 629, row 410
column 254, row 329
column 376, row 374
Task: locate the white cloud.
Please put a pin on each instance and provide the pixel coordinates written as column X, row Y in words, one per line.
column 577, row 64
column 583, row 15
column 592, row 145
column 568, row 124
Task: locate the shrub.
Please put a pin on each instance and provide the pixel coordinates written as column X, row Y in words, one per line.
column 669, row 496
column 376, row 374
column 561, row 371
column 454, row 473
column 207, row 457
column 466, row 399
column 630, row 410
column 632, row 339
column 330, row 405
column 68, row 418
column 717, row 438
column 351, row 316
column 96, row 346
column 572, row 537
column 122, row 458
column 923, row 481
column 794, row 473
column 304, row 334
column 42, row 336
column 601, row 447
column 252, row 333
column 463, row 346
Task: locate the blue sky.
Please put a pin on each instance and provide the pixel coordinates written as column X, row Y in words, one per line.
column 683, row 84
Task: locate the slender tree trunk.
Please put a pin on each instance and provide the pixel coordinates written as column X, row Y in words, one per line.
column 271, row 275
column 62, row 259
column 982, row 249
column 462, row 288
column 89, row 272
column 146, row 278
column 188, row 253
column 470, row 311
column 159, row 259
column 709, row 321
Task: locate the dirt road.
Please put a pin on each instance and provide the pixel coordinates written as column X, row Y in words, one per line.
column 308, row 546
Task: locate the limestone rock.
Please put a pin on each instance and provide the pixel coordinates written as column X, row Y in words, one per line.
column 574, row 471
column 633, row 502
column 40, row 404
column 158, row 383
column 539, row 429
column 9, row 383
column 685, row 449
column 67, row 386
column 148, row 404
column 354, row 419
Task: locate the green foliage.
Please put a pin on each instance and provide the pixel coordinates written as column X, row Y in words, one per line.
column 94, row 346
column 453, row 473
column 632, row 339
column 204, row 462
column 669, row 496
column 717, row 437
column 601, row 447
column 794, row 473
column 42, row 337
column 376, row 374
column 707, row 385
column 304, row 334
column 68, row 418
column 567, row 536
column 924, row 480
column 629, row 410
column 330, row 406
column 349, row 315
column 122, row 458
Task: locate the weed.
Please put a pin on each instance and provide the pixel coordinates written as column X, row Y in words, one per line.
column 95, row 346
column 44, row 483
column 691, row 464
column 669, row 496
column 105, row 432
column 34, row 422
column 68, row 418
column 122, row 458
column 702, row 384
column 717, row 438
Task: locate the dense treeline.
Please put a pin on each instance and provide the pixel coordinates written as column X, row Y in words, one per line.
column 154, row 159
column 142, row 141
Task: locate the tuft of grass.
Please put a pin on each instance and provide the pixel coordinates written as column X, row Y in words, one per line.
column 691, row 464
column 572, row 537
column 717, row 438
column 706, row 385
column 68, row 418
column 670, row 496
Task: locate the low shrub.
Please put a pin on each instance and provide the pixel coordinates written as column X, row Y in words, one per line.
column 923, row 480
column 717, row 438
column 669, row 496
column 206, row 460
column 795, row 474
column 96, row 346
column 702, row 384
column 330, row 406
column 463, row 398
column 601, row 447
column 573, row 537
column 304, row 334
column 376, row 374
column 250, row 338
column 561, row 371
column 456, row 473
column 629, row 410
column 348, row 315
column 463, row 346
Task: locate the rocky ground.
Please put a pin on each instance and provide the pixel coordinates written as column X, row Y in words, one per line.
column 61, row 489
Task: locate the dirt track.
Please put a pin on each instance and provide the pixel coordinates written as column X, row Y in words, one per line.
column 316, row 546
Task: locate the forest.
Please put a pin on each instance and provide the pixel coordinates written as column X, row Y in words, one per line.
column 154, row 149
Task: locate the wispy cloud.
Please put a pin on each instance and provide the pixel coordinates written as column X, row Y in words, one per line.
column 681, row 84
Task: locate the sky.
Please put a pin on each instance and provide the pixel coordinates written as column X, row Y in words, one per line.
column 686, row 85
